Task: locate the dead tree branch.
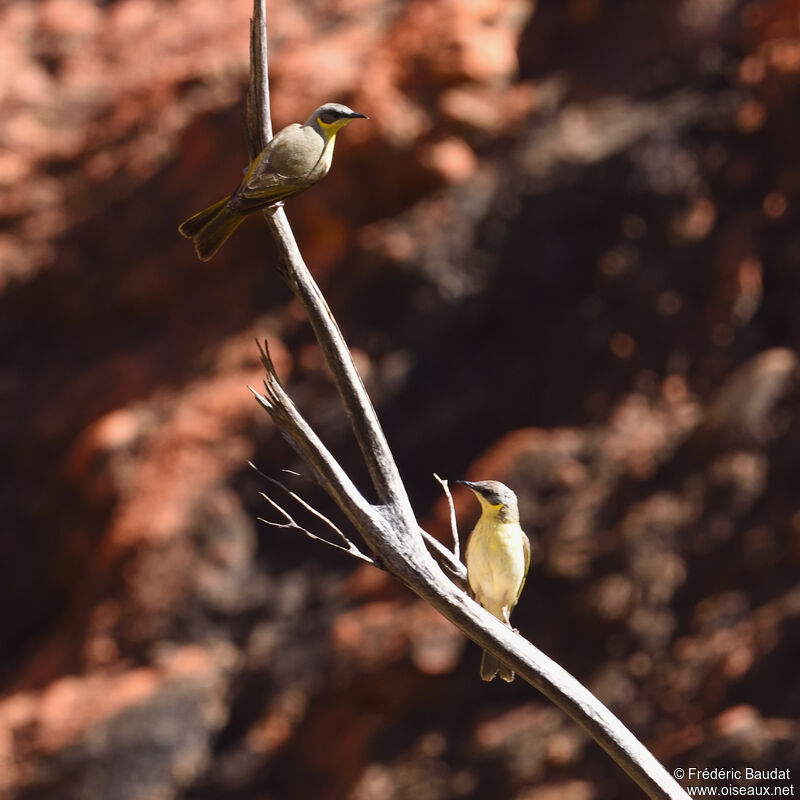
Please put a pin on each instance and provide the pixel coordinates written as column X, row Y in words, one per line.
column 389, row 527
column 348, row 547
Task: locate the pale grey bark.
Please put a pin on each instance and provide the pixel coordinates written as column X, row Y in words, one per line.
column 388, row 526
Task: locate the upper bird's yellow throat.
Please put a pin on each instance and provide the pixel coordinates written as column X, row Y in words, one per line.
column 330, row 130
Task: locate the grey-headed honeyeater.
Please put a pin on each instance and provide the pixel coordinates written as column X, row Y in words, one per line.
column 498, row 556
column 294, row 159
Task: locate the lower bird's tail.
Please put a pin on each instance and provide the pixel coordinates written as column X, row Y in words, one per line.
column 210, row 228
column 490, row 666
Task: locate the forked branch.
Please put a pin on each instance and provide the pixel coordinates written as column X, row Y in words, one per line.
column 389, row 527
column 301, row 436
column 347, row 546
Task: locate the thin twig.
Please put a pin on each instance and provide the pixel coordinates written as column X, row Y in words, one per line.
column 452, row 565
column 304, row 504
column 328, row 473
column 308, row 446
column 291, row 524
column 453, row 523
column 311, row 510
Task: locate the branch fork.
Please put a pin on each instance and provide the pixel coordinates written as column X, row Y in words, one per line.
column 388, row 526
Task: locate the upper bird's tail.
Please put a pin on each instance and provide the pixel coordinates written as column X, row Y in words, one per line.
column 211, row 227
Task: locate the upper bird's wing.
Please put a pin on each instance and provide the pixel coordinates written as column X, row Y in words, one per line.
column 278, row 172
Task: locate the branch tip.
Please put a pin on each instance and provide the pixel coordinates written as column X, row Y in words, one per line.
column 265, row 402
column 453, row 524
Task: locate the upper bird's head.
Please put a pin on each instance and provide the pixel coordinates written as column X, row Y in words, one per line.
column 495, row 498
column 332, row 117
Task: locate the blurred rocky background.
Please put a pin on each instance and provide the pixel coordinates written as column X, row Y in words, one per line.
column 565, row 251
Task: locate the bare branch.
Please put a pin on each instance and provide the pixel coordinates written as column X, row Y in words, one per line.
column 311, row 510
column 272, row 383
column 333, row 479
column 450, row 562
column 303, row 503
column 390, row 529
column 259, row 120
column 452, row 565
column 363, row 419
column 453, row 523
column 308, row 446
column 291, row 524
column 304, row 440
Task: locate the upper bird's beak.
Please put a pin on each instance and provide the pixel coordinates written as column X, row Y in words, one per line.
column 357, row 115
column 470, row 484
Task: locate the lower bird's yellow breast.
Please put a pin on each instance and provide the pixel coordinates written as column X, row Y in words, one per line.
column 496, row 563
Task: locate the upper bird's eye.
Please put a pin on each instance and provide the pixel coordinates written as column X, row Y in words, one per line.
column 328, row 116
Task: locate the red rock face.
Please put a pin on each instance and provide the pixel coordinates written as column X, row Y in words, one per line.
column 564, row 252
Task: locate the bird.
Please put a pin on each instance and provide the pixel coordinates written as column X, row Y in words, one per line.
column 498, row 556
column 293, row 160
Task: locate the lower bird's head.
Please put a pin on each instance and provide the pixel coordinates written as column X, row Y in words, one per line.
column 332, row 117
column 495, row 498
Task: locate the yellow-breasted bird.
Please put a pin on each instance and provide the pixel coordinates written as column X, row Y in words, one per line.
column 294, row 159
column 498, row 556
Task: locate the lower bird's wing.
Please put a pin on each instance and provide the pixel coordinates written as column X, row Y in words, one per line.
column 526, row 547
